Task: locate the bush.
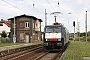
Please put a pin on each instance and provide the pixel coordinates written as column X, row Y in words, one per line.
column 70, row 38
column 5, row 40
column 83, row 39
column 77, row 39
column 8, row 40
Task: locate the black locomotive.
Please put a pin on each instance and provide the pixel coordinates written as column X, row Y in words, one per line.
column 56, row 36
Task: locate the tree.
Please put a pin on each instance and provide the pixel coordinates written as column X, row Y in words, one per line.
column 83, row 34
column 3, row 34
column 88, row 33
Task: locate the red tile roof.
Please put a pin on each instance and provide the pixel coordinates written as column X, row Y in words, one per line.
column 6, row 22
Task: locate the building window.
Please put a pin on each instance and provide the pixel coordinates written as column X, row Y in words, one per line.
column 37, row 25
column 1, row 24
column 21, row 36
column 26, row 24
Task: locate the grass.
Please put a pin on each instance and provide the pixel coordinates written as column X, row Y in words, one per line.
column 77, row 50
column 39, row 42
column 9, row 44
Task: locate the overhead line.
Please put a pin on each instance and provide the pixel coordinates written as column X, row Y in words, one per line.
column 50, row 5
column 15, row 6
column 31, row 5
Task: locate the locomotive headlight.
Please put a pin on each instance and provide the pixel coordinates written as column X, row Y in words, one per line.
column 59, row 39
column 46, row 39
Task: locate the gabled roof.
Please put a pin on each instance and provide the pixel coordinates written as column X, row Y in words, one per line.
column 6, row 22
column 26, row 16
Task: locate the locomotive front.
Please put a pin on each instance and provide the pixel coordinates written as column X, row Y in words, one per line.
column 53, row 37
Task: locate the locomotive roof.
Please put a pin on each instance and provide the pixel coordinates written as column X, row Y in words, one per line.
column 52, row 25
column 55, row 25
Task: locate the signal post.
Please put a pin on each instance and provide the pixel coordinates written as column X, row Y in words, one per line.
column 74, row 29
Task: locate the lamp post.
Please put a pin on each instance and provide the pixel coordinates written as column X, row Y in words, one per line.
column 45, row 18
column 86, row 26
column 14, row 35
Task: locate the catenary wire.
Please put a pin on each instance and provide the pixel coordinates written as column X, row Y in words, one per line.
column 15, row 7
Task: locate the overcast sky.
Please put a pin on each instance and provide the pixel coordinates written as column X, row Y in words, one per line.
column 77, row 8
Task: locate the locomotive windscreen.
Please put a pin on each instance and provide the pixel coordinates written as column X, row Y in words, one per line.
column 52, row 29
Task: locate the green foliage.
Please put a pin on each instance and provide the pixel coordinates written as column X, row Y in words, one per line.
column 5, row 40
column 77, row 39
column 82, row 38
column 8, row 40
column 71, row 34
column 82, row 34
column 3, row 34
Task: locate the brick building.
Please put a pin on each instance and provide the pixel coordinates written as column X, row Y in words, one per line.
column 27, row 28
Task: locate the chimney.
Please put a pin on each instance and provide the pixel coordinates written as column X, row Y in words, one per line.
column 1, row 19
column 9, row 20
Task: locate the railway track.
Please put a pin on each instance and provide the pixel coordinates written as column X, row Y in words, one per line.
column 33, row 52
column 21, row 53
column 49, row 55
column 56, row 55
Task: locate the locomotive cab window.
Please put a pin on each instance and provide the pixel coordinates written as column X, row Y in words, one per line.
column 49, row 29
column 53, row 29
column 57, row 29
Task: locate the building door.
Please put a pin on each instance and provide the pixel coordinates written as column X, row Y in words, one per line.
column 27, row 38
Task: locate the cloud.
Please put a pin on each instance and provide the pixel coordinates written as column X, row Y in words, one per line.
column 76, row 7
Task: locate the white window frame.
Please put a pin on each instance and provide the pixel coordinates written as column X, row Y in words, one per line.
column 27, row 24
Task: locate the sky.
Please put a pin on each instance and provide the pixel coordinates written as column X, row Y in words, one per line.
column 77, row 8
